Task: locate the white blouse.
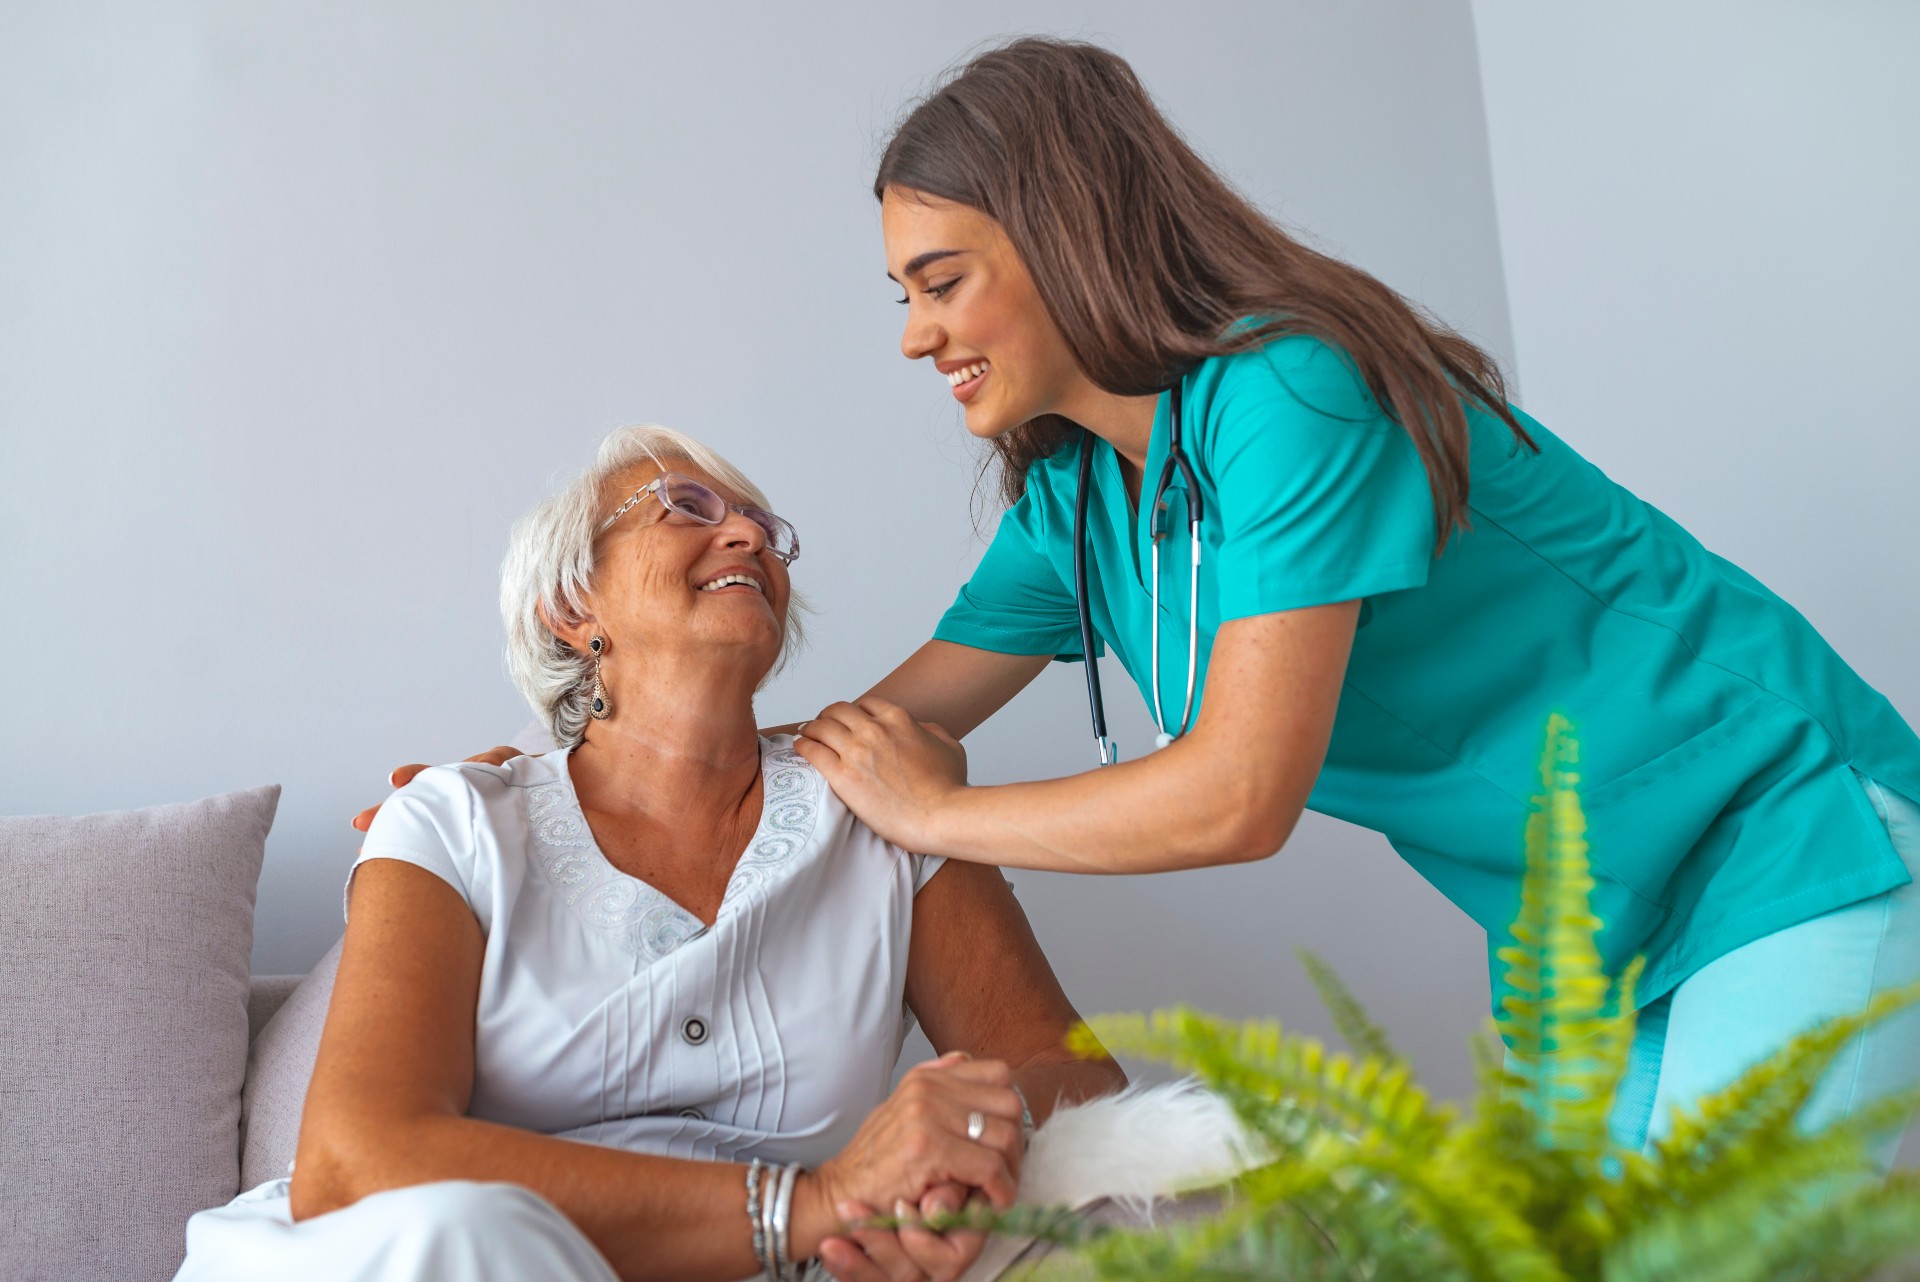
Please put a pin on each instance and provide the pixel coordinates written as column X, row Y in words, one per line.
column 608, row 1013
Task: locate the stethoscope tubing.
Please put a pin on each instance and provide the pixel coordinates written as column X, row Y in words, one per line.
column 1176, row 462
column 1108, row 753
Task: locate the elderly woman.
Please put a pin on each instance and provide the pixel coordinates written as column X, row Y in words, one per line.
column 631, row 1008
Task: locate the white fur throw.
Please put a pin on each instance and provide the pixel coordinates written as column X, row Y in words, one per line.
column 1142, row 1145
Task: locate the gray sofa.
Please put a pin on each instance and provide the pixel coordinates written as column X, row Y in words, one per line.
column 145, row 1074
column 284, row 1016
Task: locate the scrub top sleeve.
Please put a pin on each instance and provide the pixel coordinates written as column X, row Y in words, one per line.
column 429, row 824
column 1016, row 602
column 1320, row 497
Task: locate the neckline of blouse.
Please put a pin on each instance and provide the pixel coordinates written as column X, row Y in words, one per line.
column 648, row 921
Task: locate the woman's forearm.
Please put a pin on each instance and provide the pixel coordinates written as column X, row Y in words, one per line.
column 1230, row 791
column 1177, row 809
column 652, row 1217
column 958, row 686
column 1057, row 1078
column 953, row 686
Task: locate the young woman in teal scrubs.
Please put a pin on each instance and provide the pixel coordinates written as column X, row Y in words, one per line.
column 1402, row 577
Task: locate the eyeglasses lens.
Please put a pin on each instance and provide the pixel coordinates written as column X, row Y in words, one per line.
column 694, row 500
column 690, row 498
column 781, row 539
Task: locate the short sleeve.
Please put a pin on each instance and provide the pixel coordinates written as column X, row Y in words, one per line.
column 1017, row 602
column 1321, row 497
column 924, row 866
column 429, row 824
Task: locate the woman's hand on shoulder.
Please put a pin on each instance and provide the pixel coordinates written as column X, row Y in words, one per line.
column 892, row 771
column 401, row 776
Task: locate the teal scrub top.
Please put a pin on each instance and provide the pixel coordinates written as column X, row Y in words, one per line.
column 1718, row 732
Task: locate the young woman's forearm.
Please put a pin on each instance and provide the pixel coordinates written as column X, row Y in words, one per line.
column 954, row 686
column 1174, row 810
column 652, row 1217
column 1230, row 791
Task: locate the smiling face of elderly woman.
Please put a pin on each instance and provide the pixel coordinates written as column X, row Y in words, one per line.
column 605, row 557
column 679, row 592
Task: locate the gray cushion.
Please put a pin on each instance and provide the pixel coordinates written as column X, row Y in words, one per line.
column 265, row 995
column 124, row 941
column 278, row 1069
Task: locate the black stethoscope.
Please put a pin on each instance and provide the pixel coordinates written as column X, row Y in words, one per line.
column 1176, row 460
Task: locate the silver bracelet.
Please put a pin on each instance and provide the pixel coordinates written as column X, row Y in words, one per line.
column 755, row 1212
column 1026, row 1116
column 769, row 1194
column 782, row 1222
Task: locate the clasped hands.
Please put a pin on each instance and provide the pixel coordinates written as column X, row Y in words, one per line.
column 912, row 1159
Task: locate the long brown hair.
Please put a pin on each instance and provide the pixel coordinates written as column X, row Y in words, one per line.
column 1146, row 259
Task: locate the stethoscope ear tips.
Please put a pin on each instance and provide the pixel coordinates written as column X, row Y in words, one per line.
column 1162, row 739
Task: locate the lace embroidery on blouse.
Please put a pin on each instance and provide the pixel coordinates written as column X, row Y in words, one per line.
column 649, row 923
column 790, row 802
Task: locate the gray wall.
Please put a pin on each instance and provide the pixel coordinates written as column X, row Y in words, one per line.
column 304, row 303
column 1707, row 217
column 300, row 306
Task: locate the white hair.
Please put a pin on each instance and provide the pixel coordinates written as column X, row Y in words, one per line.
column 549, row 565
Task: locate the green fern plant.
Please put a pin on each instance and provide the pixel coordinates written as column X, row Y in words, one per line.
column 1366, row 1177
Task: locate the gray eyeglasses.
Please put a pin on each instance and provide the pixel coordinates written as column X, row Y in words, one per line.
column 684, row 496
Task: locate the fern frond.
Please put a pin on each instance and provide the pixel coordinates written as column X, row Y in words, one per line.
column 1363, row 1036
column 1373, row 1221
column 1371, row 1181
column 1563, row 1018
column 1060, row 1225
column 1470, row 1209
column 1723, row 1132
column 1321, row 1238
column 1504, row 1126
column 1287, row 1088
column 1847, row 1239
column 1772, row 1229
column 1788, row 1170
column 1737, row 1206
column 1488, row 1233
column 1612, row 1047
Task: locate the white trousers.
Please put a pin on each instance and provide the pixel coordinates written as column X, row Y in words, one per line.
column 454, row 1231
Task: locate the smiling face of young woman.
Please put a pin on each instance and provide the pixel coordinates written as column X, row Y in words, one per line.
column 973, row 310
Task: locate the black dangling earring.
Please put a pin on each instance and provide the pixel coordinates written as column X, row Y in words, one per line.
column 601, row 707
